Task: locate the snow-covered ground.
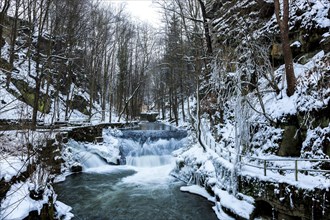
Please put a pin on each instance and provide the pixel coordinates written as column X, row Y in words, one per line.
column 309, row 95
column 224, row 141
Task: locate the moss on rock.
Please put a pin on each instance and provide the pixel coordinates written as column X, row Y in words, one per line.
column 27, row 95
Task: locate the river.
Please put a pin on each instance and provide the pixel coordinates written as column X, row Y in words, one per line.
column 141, row 189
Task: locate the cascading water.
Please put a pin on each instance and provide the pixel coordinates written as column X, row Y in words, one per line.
column 85, row 157
column 140, row 189
column 149, row 160
column 151, row 144
column 90, row 160
column 150, row 153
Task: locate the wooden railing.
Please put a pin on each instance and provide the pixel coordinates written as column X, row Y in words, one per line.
column 262, row 163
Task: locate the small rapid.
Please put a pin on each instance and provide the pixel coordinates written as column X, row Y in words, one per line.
column 149, row 160
column 90, row 160
column 141, row 187
column 149, row 153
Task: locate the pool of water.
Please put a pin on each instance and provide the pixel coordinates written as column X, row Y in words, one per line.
column 142, row 189
column 129, row 194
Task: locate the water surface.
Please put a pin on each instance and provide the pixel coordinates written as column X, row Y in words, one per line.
column 142, row 189
column 109, row 196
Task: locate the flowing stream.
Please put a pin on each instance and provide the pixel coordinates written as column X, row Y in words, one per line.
column 141, row 189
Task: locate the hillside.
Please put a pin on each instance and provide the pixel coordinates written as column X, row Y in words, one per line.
column 261, row 100
column 17, row 96
column 258, row 146
column 254, row 123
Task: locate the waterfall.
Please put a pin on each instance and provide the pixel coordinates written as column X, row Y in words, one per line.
column 150, row 153
column 79, row 153
column 138, row 148
column 149, row 160
column 90, row 160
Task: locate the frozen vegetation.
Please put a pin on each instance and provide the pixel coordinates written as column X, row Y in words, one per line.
column 238, row 139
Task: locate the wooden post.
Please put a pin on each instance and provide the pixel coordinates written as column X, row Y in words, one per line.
column 229, row 156
column 265, row 168
column 296, row 169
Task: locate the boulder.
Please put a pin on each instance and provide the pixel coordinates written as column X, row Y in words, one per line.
column 76, row 168
column 291, row 142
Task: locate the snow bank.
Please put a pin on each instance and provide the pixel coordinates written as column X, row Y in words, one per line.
column 238, row 207
column 198, row 167
column 198, row 190
column 18, row 203
column 63, row 211
column 11, row 166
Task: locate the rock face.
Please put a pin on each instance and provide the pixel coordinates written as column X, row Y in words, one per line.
column 233, row 21
column 291, row 142
column 92, row 132
column 151, row 117
column 277, row 200
column 80, row 103
column 76, row 168
column 302, row 132
column 27, row 94
column 289, row 202
column 87, row 133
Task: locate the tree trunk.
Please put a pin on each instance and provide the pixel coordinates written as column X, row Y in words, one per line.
column 128, row 101
column 163, row 108
column 199, row 130
column 206, row 29
column 35, row 104
column 284, row 29
column 175, row 109
column 289, row 70
column 68, row 99
column 182, row 102
column 3, row 13
column 170, row 104
column 37, row 80
column 13, row 42
column 105, row 82
column 111, row 87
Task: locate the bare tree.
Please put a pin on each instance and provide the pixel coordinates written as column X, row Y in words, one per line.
column 37, row 15
column 4, row 9
column 206, row 28
column 284, row 29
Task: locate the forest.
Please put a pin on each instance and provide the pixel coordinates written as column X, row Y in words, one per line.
column 247, row 77
column 92, row 57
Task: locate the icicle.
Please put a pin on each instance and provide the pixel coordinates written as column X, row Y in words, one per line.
column 313, row 208
column 291, row 201
column 190, row 180
column 323, row 205
column 241, row 128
